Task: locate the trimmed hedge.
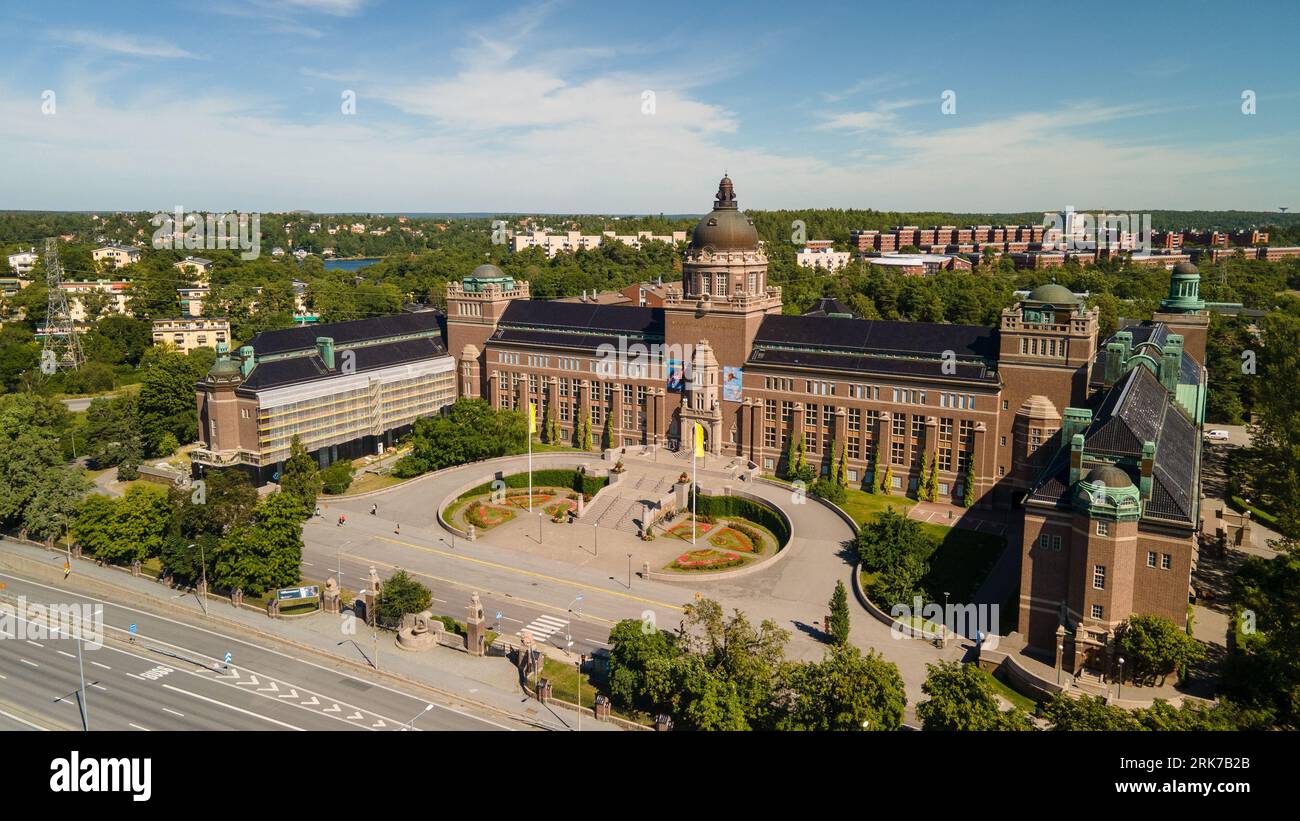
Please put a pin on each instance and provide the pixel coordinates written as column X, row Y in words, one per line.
column 726, row 506
column 554, row 477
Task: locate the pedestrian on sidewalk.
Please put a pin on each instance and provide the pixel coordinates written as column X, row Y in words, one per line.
column 342, row 520
column 374, row 509
column 398, row 529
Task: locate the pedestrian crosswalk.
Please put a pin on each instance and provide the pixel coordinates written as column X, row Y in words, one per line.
column 543, row 627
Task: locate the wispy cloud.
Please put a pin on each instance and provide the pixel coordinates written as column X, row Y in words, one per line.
column 883, row 116
column 117, row 43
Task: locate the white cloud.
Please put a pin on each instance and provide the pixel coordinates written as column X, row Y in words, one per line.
column 518, row 128
column 123, row 44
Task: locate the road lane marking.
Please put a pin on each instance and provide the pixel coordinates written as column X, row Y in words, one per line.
column 23, row 721
column 233, row 707
column 66, row 653
column 105, row 666
column 173, row 712
column 31, row 663
column 260, row 647
column 138, row 727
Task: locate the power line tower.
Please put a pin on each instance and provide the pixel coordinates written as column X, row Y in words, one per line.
column 62, row 348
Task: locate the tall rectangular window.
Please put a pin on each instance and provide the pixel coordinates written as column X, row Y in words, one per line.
column 1099, row 577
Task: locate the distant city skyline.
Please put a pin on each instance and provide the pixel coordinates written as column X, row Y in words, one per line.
column 543, row 108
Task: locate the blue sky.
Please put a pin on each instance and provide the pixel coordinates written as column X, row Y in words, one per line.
column 238, row 104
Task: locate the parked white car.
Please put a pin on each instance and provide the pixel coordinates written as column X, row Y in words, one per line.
column 1216, row 435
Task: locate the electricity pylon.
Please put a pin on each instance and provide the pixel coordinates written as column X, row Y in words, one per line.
column 62, row 347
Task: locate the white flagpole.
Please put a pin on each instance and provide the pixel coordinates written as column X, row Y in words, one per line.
column 695, row 449
column 530, row 471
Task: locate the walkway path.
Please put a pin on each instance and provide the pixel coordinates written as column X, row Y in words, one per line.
column 793, row 592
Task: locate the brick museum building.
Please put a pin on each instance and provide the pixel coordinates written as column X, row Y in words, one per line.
column 1097, row 442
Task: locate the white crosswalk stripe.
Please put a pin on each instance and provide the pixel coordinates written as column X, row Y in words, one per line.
column 543, row 626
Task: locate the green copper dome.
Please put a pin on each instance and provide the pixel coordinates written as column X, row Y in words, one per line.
column 1053, row 294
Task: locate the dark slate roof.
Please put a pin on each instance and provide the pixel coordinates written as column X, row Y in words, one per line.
column 1138, row 409
column 1189, row 371
column 878, row 336
column 875, row 346
column 344, row 334
column 583, row 316
column 278, row 373
column 582, row 325
column 1131, row 413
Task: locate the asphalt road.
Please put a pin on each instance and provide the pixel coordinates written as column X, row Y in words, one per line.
column 546, row 605
column 172, row 676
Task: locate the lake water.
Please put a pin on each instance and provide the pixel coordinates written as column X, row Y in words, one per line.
column 349, row 264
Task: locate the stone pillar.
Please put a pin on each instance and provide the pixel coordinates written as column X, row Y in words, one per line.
column 658, row 429
column 985, row 465
column 475, row 631
column 796, row 425
column 330, row 596
column 616, row 425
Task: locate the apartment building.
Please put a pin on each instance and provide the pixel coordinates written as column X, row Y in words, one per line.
column 187, row 333
column 571, row 241
column 115, row 256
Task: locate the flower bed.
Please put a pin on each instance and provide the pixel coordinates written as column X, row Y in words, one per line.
column 684, row 530
column 485, row 517
column 729, row 538
column 561, row 507
column 521, row 501
column 706, row 559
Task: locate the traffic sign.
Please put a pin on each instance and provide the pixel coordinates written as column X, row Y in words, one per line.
column 132, row 628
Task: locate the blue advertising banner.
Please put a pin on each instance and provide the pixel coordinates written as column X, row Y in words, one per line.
column 733, row 383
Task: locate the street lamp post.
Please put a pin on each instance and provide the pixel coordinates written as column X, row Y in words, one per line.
column 1119, row 684
column 581, row 659
column 203, row 568
column 595, row 539
column 1060, row 649
column 410, row 725
column 629, row 571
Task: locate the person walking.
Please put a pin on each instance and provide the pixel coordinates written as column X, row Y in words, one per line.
column 374, row 509
column 398, row 529
column 342, row 519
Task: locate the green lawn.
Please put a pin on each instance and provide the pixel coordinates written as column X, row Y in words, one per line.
column 564, row 685
column 1006, row 691
column 960, row 562
column 366, row 482
column 863, row 506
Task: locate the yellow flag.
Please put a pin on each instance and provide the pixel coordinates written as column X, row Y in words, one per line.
column 532, row 417
column 699, row 439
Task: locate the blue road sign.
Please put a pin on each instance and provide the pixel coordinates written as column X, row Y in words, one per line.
column 229, row 658
column 132, row 628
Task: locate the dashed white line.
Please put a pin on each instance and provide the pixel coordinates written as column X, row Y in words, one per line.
column 173, row 712
column 138, row 727
column 105, row 666
column 233, row 707
column 29, row 663
column 66, row 653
